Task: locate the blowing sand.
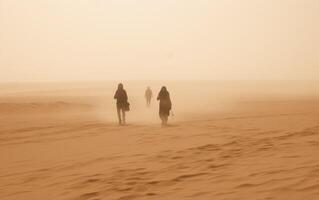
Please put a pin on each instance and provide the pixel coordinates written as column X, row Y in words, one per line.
column 227, row 140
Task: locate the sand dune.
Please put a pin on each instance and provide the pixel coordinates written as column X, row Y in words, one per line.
column 257, row 150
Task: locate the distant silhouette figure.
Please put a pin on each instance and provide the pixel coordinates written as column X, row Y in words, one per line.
column 148, row 96
column 165, row 105
column 122, row 104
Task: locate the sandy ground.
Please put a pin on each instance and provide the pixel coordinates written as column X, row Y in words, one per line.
column 226, row 141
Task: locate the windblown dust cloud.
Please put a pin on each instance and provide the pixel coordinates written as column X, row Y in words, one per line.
column 155, row 40
column 227, row 140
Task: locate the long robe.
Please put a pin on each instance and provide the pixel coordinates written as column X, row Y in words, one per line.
column 165, row 104
column 121, row 98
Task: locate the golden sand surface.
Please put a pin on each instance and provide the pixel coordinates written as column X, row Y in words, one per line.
column 226, row 140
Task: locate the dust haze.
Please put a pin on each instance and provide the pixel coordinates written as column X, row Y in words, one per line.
column 158, row 40
column 243, row 80
column 190, row 99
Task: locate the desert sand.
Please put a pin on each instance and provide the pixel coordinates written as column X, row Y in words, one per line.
column 226, row 141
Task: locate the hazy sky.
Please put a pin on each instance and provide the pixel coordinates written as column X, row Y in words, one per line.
column 159, row 39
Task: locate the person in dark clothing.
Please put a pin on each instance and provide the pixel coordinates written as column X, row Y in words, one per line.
column 148, row 96
column 121, row 103
column 165, row 105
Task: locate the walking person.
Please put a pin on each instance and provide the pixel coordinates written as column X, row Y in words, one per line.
column 148, row 96
column 165, row 105
column 122, row 104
